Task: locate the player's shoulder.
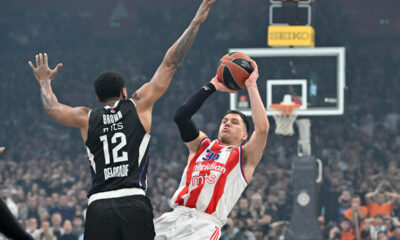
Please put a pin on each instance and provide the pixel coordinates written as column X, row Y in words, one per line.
column 95, row 111
column 205, row 140
column 128, row 103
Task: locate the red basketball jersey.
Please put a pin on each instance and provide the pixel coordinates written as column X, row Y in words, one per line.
column 213, row 180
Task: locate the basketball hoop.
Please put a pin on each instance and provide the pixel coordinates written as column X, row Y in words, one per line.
column 284, row 121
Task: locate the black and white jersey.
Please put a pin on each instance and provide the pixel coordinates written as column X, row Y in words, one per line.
column 118, row 148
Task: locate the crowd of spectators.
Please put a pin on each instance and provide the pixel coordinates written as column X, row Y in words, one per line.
column 44, row 174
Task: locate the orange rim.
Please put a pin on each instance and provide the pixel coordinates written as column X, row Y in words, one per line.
column 285, row 109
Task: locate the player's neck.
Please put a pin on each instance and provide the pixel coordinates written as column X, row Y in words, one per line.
column 110, row 102
column 229, row 144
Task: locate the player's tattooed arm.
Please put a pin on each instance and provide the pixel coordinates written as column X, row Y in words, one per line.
column 179, row 50
column 150, row 92
column 47, row 96
column 66, row 115
column 181, row 47
column 44, row 75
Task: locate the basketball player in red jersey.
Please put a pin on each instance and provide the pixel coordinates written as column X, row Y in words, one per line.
column 218, row 170
column 8, row 224
column 117, row 138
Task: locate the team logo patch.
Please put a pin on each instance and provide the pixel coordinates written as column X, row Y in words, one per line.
column 210, row 156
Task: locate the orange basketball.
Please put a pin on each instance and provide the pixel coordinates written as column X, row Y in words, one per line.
column 233, row 70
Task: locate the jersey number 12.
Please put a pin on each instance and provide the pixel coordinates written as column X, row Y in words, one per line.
column 117, row 157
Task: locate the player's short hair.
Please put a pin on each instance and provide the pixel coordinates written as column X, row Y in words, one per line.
column 108, row 85
column 242, row 116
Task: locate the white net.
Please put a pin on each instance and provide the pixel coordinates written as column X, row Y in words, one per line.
column 284, row 124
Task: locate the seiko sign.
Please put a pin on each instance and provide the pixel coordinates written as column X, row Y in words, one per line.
column 279, row 36
column 290, row 35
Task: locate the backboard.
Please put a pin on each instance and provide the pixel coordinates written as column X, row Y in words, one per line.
column 315, row 77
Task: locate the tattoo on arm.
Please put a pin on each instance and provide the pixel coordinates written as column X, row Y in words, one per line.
column 183, row 45
column 46, row 95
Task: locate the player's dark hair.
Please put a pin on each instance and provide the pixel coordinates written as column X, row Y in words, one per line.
column 109, row 85
column 242, row 116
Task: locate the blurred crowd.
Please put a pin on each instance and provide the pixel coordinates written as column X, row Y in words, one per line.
column 44, row 173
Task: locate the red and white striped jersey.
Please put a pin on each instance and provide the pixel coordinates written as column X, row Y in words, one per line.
column 212, row 181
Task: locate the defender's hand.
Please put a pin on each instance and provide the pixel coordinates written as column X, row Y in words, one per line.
column 220, row 86
column 2, row 149
column 203, row 11
column 253, row 76
column 42, row 71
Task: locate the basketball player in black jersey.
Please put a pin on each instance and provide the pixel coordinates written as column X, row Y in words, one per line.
column 8, row 224
column 117, row 138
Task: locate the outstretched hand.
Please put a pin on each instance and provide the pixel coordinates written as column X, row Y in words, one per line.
column 203, row 11
column 42, row 71
column 2, row 149
column 253, row 76
column 220, row 86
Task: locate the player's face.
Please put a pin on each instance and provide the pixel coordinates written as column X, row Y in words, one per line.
column 232, row 130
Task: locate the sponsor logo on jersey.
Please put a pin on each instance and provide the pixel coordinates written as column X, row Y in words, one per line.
column 200, row 180
column 214, row 167
column 112, row 118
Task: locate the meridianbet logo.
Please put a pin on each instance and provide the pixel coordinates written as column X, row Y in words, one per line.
column 291, row 36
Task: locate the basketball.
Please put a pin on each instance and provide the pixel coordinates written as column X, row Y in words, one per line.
column 233, row 70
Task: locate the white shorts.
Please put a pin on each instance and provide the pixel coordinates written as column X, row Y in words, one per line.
column 187, row 224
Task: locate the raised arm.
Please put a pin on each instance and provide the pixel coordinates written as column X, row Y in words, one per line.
column 149, row 93
column 391, row 197
column 369, row 196
column 66, row 115
column 254, row 148
column 190, row 135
